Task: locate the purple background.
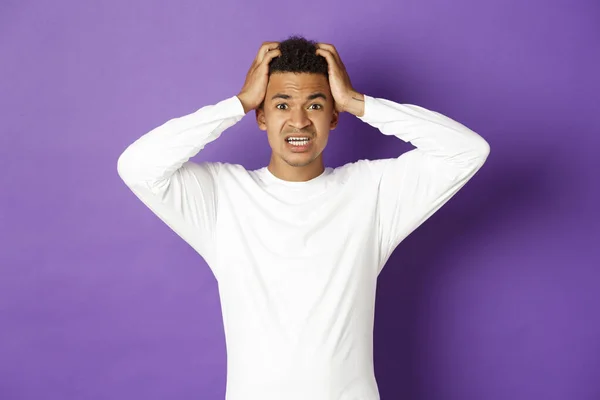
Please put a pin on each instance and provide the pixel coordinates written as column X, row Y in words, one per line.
column 495, row 297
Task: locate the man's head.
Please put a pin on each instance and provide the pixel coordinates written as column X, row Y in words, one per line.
column 298, row 103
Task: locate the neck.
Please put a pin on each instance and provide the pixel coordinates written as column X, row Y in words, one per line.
column 286, row 172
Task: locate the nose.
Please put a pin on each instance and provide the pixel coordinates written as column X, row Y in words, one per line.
column 299, row 119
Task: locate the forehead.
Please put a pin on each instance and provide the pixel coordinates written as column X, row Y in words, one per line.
column 297, row 85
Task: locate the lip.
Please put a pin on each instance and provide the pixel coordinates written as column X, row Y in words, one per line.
column 299, row 149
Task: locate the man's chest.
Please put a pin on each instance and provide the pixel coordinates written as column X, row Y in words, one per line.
column 316, row 227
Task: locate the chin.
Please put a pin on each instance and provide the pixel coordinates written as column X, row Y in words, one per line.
column 303, row 161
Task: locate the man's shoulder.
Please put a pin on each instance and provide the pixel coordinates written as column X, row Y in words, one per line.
column 214, row 168
column 361, row 166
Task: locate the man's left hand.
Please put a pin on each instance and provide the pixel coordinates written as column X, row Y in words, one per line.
column 344, row 96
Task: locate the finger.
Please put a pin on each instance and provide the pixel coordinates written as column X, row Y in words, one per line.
column 270, row 54
column 331, row 48
column 264, row 49
column 331, row 61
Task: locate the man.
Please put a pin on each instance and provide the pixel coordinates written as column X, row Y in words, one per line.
column 296, row 247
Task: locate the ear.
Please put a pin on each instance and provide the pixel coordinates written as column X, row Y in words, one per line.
column 260, row 119
column 335, row 118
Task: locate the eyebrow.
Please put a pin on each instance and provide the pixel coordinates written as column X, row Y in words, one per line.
column 309, row 97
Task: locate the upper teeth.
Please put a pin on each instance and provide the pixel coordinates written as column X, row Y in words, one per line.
column 297, row 138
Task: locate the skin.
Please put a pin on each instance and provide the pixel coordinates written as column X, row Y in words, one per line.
column 298, row 114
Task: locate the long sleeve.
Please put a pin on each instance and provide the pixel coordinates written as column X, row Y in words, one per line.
column 416, row 184
column 182, row 193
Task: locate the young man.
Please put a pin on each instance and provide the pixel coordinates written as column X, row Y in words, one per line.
column 296, row 247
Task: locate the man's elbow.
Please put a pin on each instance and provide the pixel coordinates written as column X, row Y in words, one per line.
column 479, row 150
column 483, row 149
column 125, row 168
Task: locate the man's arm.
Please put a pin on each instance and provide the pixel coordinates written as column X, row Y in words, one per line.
column 417, row 183
column 183, row 194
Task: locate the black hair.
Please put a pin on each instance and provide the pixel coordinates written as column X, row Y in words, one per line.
column 298, row 55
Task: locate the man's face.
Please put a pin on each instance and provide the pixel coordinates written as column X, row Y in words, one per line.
column 297, row 105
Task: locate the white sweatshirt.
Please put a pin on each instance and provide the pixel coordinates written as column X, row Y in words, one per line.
column 297, row 262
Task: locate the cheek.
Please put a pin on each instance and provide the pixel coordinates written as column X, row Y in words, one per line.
column 275, row 123
column 323, row 125
column 274, row 137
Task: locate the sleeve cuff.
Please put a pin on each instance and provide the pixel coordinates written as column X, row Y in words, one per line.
column 234, row 106
column 373, row 110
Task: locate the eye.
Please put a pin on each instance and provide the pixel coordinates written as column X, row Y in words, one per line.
column 319, row 106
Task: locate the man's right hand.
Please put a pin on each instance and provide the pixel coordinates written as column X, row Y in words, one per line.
column 255, row 87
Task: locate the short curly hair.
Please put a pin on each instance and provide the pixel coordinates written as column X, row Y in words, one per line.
column 298, row 55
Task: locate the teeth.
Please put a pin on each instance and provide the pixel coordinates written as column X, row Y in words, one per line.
column 298, row 141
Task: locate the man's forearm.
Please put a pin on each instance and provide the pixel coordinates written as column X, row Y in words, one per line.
column 355, row 104
column 430, row 131
column 159, row 153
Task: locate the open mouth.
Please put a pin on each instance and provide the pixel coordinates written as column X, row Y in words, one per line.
column 299, row 144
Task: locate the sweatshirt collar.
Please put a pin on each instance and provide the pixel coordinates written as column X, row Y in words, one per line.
column 268, row 177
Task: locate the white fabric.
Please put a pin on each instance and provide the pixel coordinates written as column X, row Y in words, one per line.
column 297, row 262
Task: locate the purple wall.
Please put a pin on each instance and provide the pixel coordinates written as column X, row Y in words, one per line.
column 495, row 297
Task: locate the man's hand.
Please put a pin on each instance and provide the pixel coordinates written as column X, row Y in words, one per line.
column 255, row 88
column 345, row 97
